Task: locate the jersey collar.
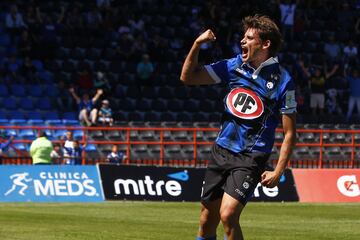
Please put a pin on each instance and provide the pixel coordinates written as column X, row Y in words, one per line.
column 269, row 61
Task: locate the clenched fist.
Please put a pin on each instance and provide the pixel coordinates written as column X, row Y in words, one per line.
column 207, row 36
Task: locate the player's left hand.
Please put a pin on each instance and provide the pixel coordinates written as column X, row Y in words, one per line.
column 270, row 179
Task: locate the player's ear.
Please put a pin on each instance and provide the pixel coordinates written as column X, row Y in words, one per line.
column 266, row 44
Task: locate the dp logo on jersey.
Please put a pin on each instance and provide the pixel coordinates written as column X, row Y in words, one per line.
column 244, row 103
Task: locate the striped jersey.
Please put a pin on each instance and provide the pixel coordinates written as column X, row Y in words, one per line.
column 255, row 100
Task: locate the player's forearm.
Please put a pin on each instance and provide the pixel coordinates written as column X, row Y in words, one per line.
column 191, row 63
column 285, row 152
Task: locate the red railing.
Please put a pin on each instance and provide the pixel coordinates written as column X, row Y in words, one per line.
column 162, row 138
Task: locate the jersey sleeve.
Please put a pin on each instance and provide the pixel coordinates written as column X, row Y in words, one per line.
column 219, row 71
column 288, row 100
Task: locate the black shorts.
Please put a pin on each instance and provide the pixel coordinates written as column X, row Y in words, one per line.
column 237, row 174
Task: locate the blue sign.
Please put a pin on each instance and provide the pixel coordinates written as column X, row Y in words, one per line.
column 50, row 183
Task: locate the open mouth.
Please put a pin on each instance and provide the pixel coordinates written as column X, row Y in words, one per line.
column 244, row 51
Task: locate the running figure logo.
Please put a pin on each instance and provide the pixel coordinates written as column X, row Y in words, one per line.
column 19, row 179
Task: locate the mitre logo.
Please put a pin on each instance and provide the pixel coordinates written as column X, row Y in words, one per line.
column 244, row 103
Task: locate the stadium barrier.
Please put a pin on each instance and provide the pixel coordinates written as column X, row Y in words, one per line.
column 176, row 184
column 327, row 185
column 316, row 148
column 55, row 183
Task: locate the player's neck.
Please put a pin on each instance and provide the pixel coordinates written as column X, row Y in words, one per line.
column 258, row 61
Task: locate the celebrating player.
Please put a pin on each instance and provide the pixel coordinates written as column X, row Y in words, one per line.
column 260, row 91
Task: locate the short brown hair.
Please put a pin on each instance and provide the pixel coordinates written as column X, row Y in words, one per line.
column 267, row 29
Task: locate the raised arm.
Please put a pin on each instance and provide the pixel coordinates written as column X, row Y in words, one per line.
column 271, row 178
column 99, row 92
column 74, row 95
column 192, row 73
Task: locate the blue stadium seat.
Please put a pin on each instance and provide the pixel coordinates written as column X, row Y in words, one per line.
column 5, row 40
column 44, row 104
column 59, row 133
column 9, row 103
column 90, row 148
column 46, row 77
column 27, row 134
column 70, row 116
column 26, row 103
column 4, row 92
column 20, row 147
column 17, row 117
column 18, row 90
column 35, row 118
column 35, row 90
column 78, row 134
column 51, row 90
column 38, row 65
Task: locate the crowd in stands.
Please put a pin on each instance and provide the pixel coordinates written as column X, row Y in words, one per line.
column 68, row 152
column 127, row 56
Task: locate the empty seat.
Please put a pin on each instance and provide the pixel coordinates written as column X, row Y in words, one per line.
column 17, row 90
column 26, row 103
column 4, row 92
column 27, row 134
column 9, row 103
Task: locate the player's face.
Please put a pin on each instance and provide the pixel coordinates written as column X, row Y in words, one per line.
column 251, row 45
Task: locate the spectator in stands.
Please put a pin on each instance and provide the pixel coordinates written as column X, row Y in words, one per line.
column 316, row 78
column 14, row 21
column 25, row 45
column 101, row 82
column 332, row 48
column 74, row 153
column 93, row 19
column 31, row 20
column 357, row 29
column 57, row 154
column 287, row 9
column 144, row 70
column 105, row 114
column 332, row 102
column 136, row 24
column 4, row 145
column 350, row 53
column 354, row 87
column 69, row 143
column 40, row 150
column 87, row 111
column 116, row 156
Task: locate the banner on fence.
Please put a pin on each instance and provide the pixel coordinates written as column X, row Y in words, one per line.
column 151, row 183
column 328, row 185
column 285, row 191
column 50, row 183
column 175, row 184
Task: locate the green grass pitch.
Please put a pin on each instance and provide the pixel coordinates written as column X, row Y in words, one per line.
column 126, row 220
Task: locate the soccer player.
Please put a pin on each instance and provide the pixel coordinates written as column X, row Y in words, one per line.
column 260, row 94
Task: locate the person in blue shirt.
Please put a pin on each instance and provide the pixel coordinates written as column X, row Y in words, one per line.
column 354, row 87
column 74, row 154
column 260, row 94
column 116, row 156
column 87, row 110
